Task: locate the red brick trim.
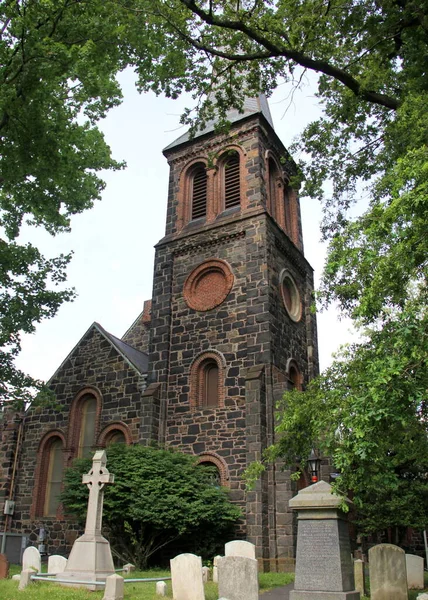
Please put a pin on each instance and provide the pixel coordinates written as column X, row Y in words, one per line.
column 219, row 462
column 41, row 475
column 196, row 378
column 208, row 285
column 111, row 428
column 292, row 365
column 75, row 420
column 277, row 205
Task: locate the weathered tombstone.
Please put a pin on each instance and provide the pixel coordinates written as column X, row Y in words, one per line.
column 215, row 574
column 323, row 560
column 114, row 588
column 25, row 578
column 238, row 578
column 90, row 558
column 216, row 559
column 31, row 559
column 388, row 577
column 205, row 574
column 415, row 572
column 240, row 548
column 186, row 576
column 161, row 588
column 56, row 564
column 4, row 567
column 360, row 581
column 422, row 597
column 128, row 568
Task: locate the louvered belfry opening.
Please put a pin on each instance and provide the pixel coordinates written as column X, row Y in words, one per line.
column 232, row 190
column 199, row 192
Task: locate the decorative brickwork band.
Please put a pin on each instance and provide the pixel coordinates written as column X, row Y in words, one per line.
column 208, row 285
column 207, row 371
column 218, row 461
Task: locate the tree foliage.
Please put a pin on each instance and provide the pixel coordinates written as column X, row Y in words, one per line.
column 159, row 497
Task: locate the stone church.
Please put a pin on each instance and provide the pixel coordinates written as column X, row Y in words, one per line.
column 228, row 329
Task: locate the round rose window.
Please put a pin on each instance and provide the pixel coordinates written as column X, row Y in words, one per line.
column 290, row 296
column 208, row 285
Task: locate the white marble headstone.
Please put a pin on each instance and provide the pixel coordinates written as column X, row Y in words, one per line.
column 238, row 578
column 31, row 559
column 186, row 577
column 56, row 564
column 240, row 548
column 387, row 572
column 415, row 572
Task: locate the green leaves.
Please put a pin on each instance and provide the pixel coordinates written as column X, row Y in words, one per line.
column 158, row 496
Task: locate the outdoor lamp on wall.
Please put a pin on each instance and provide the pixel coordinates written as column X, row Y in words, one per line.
column 314, row 462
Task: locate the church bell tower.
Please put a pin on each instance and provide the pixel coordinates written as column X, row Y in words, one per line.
column 232, row 326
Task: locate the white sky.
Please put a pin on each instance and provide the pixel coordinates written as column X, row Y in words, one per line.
column 113, row 243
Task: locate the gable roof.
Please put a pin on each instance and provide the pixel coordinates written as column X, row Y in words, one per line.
column 252, row 106
column 136, row 359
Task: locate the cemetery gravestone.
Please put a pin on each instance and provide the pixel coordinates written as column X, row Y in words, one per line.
column 240, row 548
column 205, row 574
column 324, row 566
column 238, row 578
column 161, row 588
column 114, row 588
column 388, row 577
column 360, row 581
column 56, row 564
column 90, row 558
column 186, row 577
column 415, row 572
column 31, row 559
column 4, row 567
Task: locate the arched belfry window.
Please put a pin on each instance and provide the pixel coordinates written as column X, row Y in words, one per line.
column 232, row 184
column 199, row 191
column 207, row 381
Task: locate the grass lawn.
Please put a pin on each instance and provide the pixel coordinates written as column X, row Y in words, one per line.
column 40, row 590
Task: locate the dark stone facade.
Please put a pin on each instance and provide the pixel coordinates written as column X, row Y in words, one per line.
column 249, row 336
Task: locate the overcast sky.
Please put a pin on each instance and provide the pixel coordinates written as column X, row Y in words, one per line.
column 113, row 243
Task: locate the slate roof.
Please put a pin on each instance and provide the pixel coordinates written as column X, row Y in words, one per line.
column 252, row 106
column 139, row 360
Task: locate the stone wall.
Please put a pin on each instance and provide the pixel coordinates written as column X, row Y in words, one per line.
column 94, row 363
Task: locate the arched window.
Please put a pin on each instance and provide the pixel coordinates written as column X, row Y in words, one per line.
column 48, row 475
column 84, row 423
column 54, row 477
column 232, row 184
column 212, row 472
column 116, row 437
column 87, row 426
column 209, row 373
column 294, row 376
column 207, row 381
column 219, row 476
column 198, row 191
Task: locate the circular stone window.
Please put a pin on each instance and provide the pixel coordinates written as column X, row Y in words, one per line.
column 290, row 296
column 208, row 285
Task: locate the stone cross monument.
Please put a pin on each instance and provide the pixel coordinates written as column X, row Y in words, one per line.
column 90, row 558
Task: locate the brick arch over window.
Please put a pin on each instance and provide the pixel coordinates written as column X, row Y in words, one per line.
column 74, row 436
column 207, row 375
column 48, row 476
column 217, row 461
column 112, row 428
column 294, row 376
column 277, row 191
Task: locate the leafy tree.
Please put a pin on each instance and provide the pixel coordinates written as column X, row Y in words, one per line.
column 159, row 497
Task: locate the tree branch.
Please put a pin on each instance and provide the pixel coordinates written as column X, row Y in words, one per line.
column 276, row 51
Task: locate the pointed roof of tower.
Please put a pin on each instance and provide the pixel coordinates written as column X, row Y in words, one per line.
column 252, row 106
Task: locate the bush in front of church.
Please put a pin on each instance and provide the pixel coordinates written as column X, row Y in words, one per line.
column 160, row 499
